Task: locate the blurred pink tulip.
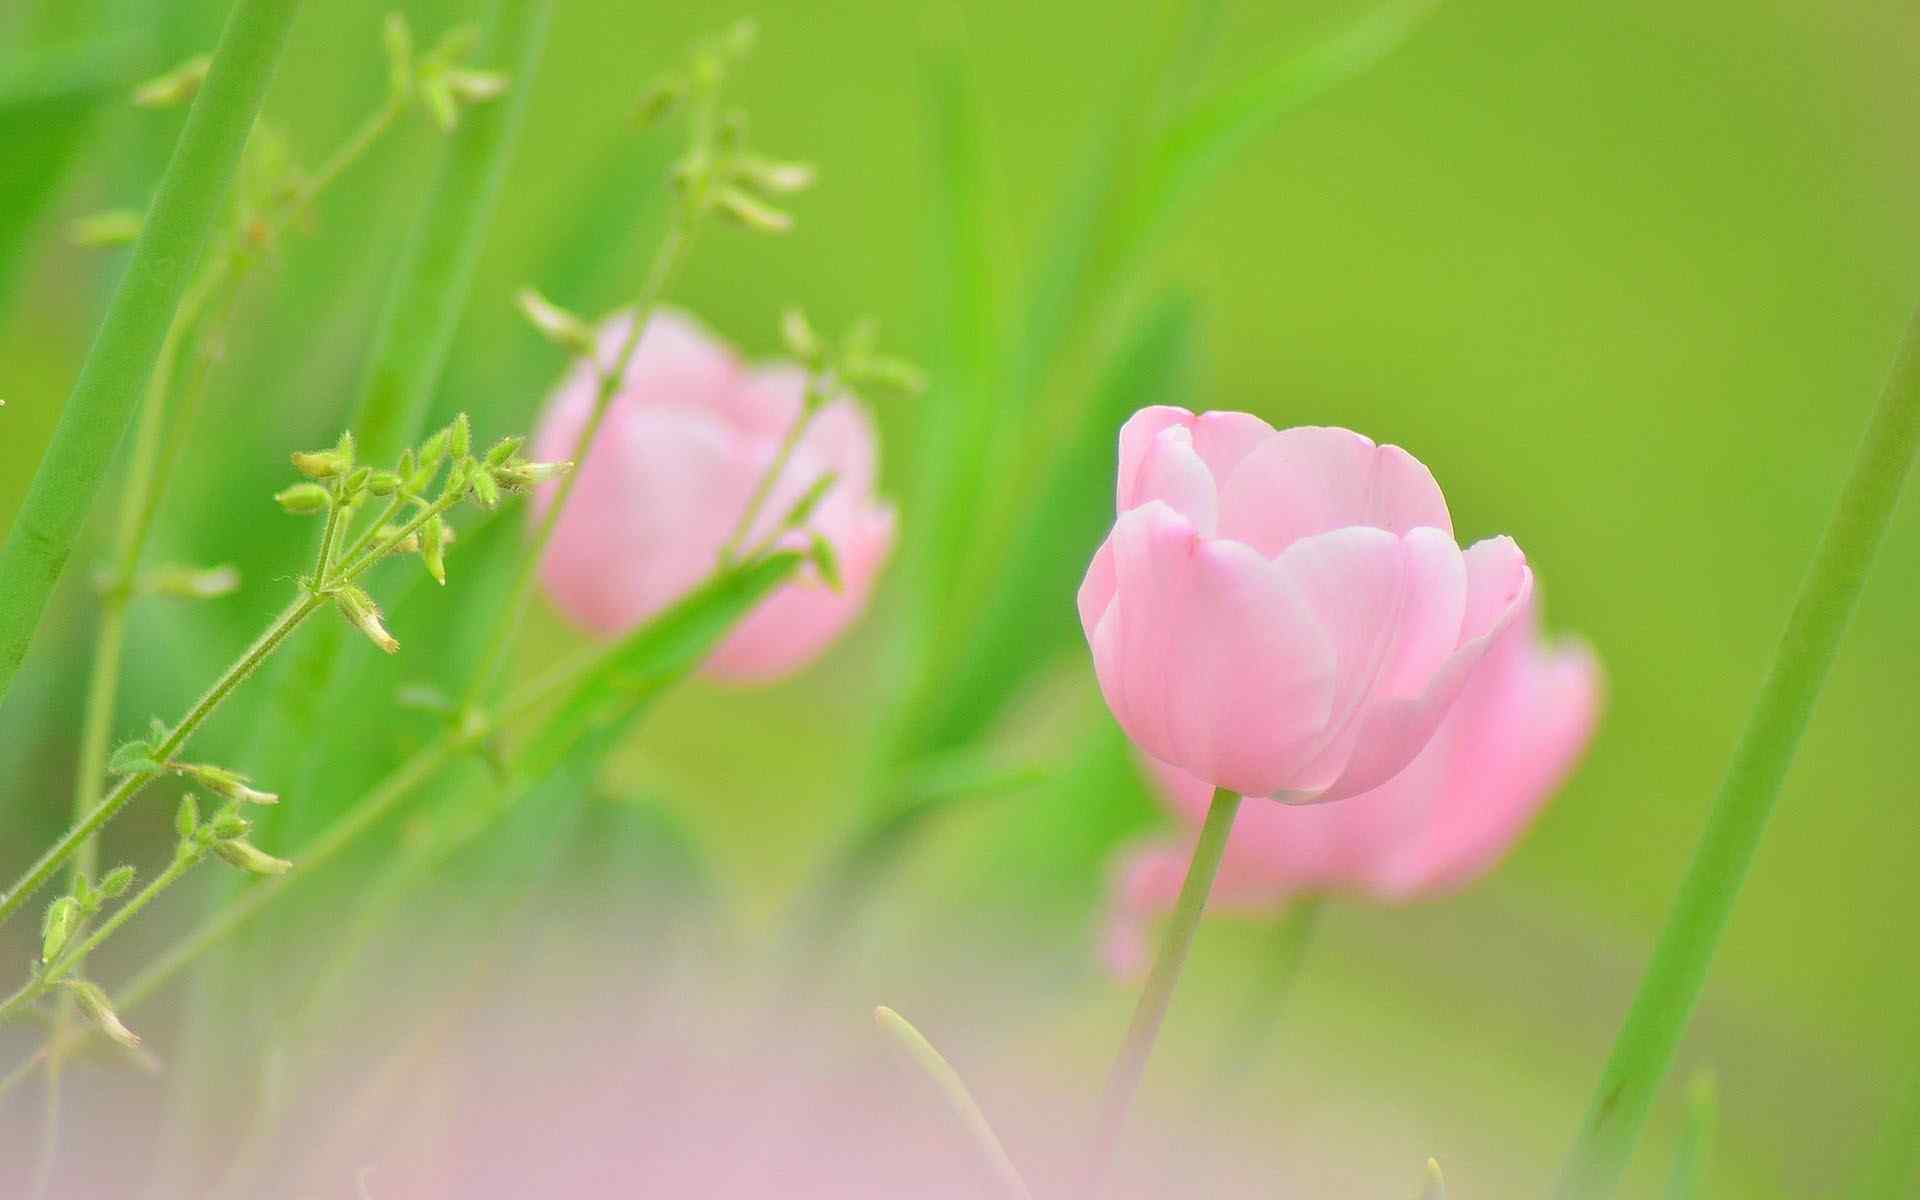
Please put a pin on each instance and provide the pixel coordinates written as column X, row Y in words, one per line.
column 1286, row 613
column 689, row 435
column 1521, row 723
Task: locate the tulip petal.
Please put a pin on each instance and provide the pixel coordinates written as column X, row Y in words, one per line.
column 1173, row 473
column 1207, row 654
column 1136, row 441
column 1315, row 479
column 1394, row 730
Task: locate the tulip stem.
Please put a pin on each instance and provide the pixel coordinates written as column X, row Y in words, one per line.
column 1151, row 1010
column 1293, row 935
column 1644, row 1050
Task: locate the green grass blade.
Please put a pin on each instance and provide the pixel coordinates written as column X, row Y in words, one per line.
column 960, row 409
column 1030, row 616
column 192, row 191
column 1671, row 988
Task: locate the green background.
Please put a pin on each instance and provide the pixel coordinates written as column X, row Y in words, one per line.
column 1625, row 276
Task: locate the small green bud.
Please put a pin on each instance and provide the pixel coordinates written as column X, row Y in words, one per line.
column 228, row 827
column 99, row 1009
column 438, row 97
column 360, row 610
column 821, row 554
column 176, row 87
column 383, row 483
column 504, row 449
column 357, row 482
column 186, row 818
column 556, row 324
column 62, row 916
column 345, row 446
column 434, row 449
column 116, row 227
column 116, row 882
column 523, row 476
column 251, row 858
column 397, row 36
column 190, row 583
column 751, row 212
column 469, row 86
column 485, row 490
column 433, row 542
column 319, row 464
column 798, row 335
column 460, row 437
column 772, row 175
column 304, row 499
column 895, row 373
column 231, row 785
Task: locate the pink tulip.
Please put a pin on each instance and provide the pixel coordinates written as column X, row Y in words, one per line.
column 1286, row 613
column 1517, row 729
column 688, row 437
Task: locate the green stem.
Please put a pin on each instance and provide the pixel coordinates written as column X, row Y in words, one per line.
column 809, row 404
column 63, row 966
column 123, row 354
column 507, row 629
column 1668, row 993
column 953, row 1090
column 1151, row 1010
column 41, row 871
column 1293, row 934
column 355, row 822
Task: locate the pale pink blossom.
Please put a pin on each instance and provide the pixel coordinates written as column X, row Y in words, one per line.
column 688, row 436
column 1286, row 613
column 1522, row 722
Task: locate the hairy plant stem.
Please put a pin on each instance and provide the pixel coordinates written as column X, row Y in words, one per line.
column 1671, row 988
column 1151, row 1010
column 366, row 815
column 60, row 968
column 130, row 785
column 506, row 632
column 122, row 356
column 249, row 661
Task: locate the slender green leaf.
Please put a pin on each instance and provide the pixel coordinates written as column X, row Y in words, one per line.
column 1030, row 615
column 1668, row 992
column 961, row 407
column 646, row 663
column 115, row 372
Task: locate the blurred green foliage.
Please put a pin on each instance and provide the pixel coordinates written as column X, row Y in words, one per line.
column 1627, row 277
